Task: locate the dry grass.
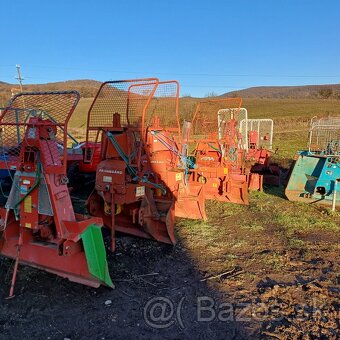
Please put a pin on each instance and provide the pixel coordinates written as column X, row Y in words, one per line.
column 265, row 232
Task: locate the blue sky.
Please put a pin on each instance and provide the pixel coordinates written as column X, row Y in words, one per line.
column 209, row 46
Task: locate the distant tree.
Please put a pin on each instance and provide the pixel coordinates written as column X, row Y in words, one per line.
column 211, row 94
column 325, row 93
column 3, row 99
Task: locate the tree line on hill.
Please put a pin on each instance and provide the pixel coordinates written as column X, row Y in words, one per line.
column 89, row 88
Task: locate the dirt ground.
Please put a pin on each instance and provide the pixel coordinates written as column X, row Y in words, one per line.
column 231, row 277
column 48, row 307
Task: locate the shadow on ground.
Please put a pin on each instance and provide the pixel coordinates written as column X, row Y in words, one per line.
column 157, row 294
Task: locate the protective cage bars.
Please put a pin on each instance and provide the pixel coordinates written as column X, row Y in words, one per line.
column 129, row 98
column 264, row 129
column 54, row 107
column 206, row 109
column 324, row 136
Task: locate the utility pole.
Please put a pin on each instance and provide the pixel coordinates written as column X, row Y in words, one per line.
column 21, row 90
column 19, row 77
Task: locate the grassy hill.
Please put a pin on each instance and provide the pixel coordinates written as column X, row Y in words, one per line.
column 86, row 88
column 308, row 91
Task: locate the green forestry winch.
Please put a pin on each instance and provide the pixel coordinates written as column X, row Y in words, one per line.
column 315, row 176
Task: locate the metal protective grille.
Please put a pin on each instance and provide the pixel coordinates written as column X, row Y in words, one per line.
column 205, row 118
column 164, row 104
column 324, row 136
column 225, row 115
column 129, row 98
column 264, row 129
column 54, row 107
column 58, row 106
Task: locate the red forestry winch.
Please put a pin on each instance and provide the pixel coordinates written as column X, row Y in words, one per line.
column 126, row 196
column 219, row 159
column 38, row 224
column 163, row 155
column 257, row 136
